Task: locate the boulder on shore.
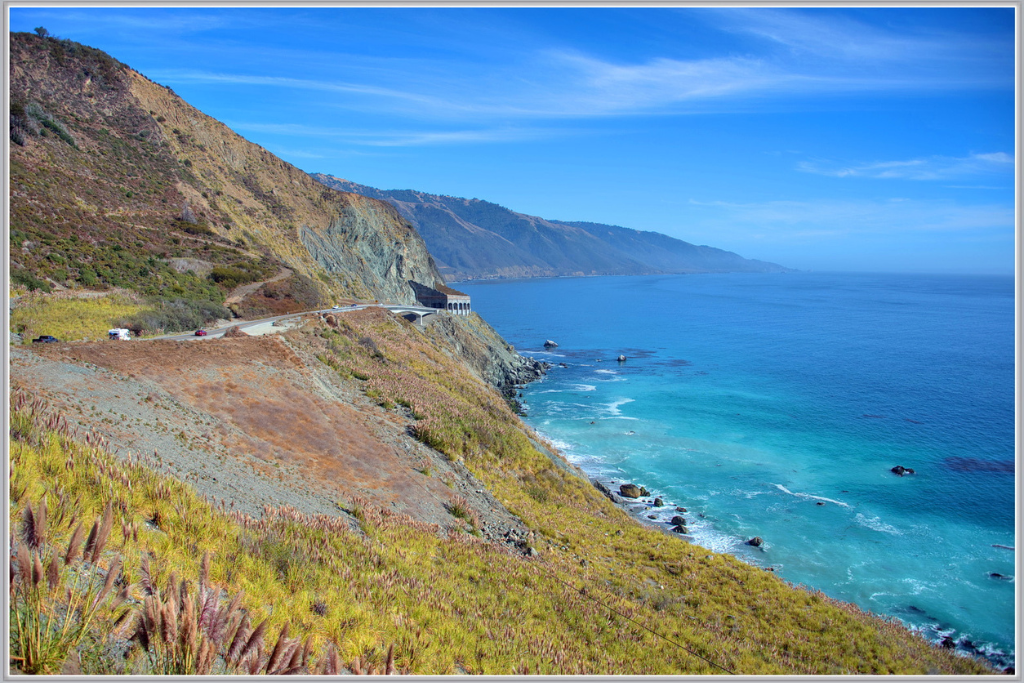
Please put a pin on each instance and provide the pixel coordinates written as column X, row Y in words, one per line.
column 549, row 344
column 755, row 541
column 631, row 491
column 678, row 520
column 658, row 502
column 680, row 529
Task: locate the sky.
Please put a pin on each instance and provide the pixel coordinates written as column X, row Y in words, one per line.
column 878, row 139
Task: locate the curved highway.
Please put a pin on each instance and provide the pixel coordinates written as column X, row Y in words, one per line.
column 422, row 311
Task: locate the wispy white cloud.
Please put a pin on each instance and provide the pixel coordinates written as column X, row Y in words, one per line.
column 394, row 138
column 925, row 168
column 173, row 76
column 800, row 221
column 838, row 43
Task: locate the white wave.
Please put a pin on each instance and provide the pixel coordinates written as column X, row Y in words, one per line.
column 613, row 407
column 875, row 524
column 606, row 372
column 809, row 496
column 917, row 587
column 541, row 353
column 619, row 417
column 561, row 445
column 571, row 387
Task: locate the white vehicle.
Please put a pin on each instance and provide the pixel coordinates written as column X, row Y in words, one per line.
column 120, row 334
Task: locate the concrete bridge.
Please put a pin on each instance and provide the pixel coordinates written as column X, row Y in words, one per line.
column 420, row 315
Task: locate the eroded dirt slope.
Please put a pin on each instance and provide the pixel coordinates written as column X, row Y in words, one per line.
column 253, row 421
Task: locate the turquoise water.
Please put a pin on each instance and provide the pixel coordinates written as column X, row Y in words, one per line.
column 750, row 399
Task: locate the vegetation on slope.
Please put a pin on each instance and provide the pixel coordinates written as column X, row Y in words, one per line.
column 95, row 198
column 72, row 315
column 602, row 595
column 118, row 183
column 739, row 617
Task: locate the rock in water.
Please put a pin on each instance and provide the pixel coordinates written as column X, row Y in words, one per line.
column 678, row 520
column 755, row 541
column 630, row 491
column 901, row 470
column 658, row 502
column 621, row 358
column 680, row 529
column 549, row 344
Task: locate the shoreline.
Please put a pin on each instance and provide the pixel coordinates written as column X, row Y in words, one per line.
column 638, row 510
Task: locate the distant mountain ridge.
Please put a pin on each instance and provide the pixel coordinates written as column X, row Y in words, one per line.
column 476, row 239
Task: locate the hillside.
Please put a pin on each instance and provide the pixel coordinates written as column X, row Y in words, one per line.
column 117, row 182
column 355, row 494
column 352, row 483
column 475, row 239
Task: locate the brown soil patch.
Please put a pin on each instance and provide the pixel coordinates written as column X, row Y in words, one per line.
column 288, row 417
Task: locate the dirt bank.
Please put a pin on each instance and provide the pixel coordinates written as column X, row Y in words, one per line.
column 254, row 421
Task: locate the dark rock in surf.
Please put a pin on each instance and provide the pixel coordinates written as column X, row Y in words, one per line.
column 631, row 491
column 550, row 344
column 901, row 470
column 621, row 358
column 680, row 529
column 755, row 541
column 658, row 502
column 677, row 520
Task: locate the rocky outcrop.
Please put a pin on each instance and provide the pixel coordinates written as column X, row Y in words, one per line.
column 368, row 241
column 632, row 491
column 608, row 493
column 489, row 356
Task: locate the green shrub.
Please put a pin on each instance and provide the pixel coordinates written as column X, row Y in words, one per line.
column 176, row 315
column 26, row 279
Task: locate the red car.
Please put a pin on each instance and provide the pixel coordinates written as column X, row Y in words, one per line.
column 200, row 333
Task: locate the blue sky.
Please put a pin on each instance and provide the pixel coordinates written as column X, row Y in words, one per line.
column 867, row 139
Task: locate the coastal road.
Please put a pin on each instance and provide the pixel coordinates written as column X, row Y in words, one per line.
column 278, row 323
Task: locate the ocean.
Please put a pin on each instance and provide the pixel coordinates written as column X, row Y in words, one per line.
column 775, row 405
